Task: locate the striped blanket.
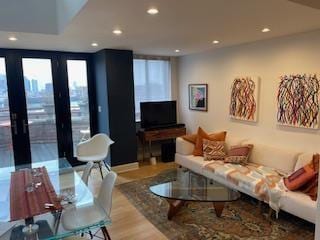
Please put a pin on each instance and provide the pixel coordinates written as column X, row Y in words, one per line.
column 263, row 182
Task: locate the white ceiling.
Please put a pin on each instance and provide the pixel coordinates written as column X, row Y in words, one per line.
column 38, row 16
column 188, row 25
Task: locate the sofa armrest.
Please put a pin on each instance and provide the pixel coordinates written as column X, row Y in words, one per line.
column 184, row 147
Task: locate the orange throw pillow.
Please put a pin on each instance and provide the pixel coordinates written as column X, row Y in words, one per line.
column 198, row 147
column 192, row 138
column 299, row 177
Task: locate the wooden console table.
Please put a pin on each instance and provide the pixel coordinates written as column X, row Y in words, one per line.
column 149, row 136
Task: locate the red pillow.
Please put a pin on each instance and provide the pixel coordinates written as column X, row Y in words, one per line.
column 299, row 178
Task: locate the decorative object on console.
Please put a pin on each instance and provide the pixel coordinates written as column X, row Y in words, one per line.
column 213, row 150
column 239, row 154
column 198, row 97
column 298, row 101
column 198, row 147
column 244, row 99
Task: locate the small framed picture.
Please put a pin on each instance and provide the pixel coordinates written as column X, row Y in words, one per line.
column 198, row 97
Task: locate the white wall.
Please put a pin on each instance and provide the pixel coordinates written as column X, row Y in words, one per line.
column 174, row 67
column 265, row 59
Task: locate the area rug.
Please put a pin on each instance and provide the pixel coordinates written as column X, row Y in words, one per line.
column 240, row 220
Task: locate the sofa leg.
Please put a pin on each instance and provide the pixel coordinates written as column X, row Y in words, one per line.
column 260, row 206
column 270, row 214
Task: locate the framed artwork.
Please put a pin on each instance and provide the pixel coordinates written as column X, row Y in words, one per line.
column 298, row 101
column 198, row 97
column 244, row 99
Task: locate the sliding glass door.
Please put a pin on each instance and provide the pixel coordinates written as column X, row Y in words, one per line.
column 79, row 101
column 38, row 87
column 44, row 106
column 6, row 147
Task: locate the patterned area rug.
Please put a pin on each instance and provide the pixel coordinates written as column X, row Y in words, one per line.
column 240, row 220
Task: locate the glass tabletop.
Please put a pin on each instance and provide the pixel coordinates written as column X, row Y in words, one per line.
column 80, row 212
column 190, row 186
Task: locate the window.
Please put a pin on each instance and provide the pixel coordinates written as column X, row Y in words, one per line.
column 6, row 151
column 79, row 102
column 152, row 81
column 38, row 84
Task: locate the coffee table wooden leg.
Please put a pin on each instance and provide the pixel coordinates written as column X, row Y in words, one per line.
column 218, row 207
column 174, row 206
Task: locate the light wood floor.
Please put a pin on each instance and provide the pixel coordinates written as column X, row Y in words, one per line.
column 127, row 221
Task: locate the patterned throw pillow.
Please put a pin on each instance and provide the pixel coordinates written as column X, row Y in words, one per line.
column 213, row 150
column 201, row 135
column 239, row 154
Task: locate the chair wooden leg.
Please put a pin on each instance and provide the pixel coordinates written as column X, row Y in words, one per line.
column 105, row 233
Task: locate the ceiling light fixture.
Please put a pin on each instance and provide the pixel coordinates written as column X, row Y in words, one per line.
column 13, row 38
column 94, row 44
column 177, row 50
column 153, row 11
column 215, row 42
column 117, row 32
column 265, row 30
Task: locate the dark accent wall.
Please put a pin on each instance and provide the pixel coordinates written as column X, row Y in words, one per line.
column 115, row 98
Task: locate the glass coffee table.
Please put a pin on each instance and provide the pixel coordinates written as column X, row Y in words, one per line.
column 190, row 186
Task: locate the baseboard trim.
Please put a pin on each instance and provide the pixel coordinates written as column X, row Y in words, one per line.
column 125, row 167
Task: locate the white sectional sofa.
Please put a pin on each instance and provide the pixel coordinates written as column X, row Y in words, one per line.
column 286, row 161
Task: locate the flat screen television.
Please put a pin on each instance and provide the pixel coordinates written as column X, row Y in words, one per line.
column 158, row 114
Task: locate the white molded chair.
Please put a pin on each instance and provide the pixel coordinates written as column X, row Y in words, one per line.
column 73, row 218
column 86, row 172
column 95, row 150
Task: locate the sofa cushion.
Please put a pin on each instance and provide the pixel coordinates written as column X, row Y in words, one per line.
column 194, row 163
column 281, row 159
column 184, row 147
column 300, row 205
column 232, row 141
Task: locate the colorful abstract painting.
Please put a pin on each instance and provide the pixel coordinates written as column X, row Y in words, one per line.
column 244, row 99
column 198, row 99
column 298, row 101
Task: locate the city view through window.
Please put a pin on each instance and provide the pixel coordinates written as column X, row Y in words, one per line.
column 79, row 103
column 41, row 109
column 6, row 151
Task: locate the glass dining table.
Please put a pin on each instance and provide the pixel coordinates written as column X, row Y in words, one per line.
column 75, row 201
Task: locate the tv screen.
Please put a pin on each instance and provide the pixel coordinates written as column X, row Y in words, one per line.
column 157, row 114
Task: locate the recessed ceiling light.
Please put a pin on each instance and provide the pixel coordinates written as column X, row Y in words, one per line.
column 177, row 50
column 153, row 11
column 265, row 30
column 117, row 32
column 13, row 38
column 215, row 42
column 94, row 44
